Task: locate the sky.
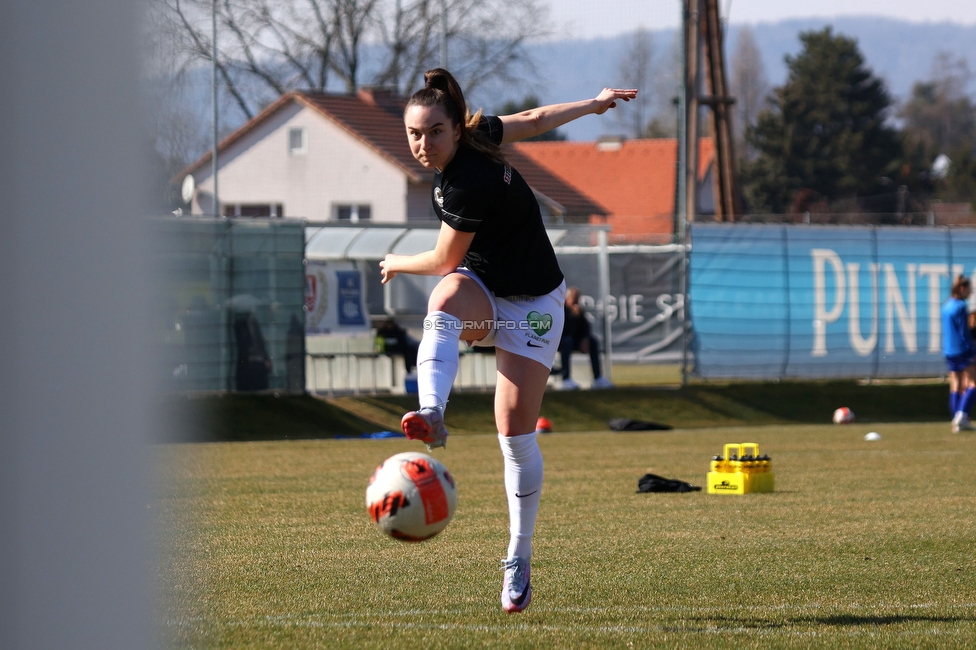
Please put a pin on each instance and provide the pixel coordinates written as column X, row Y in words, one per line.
column 597, row 18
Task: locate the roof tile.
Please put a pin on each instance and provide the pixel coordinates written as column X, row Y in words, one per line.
column 378, row 122
column 539, row 178
column 636, row 179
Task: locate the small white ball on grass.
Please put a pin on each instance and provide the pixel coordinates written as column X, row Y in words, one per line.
column 874, row 435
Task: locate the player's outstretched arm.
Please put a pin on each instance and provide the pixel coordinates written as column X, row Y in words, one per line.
column 452, row 245
column 545, row 118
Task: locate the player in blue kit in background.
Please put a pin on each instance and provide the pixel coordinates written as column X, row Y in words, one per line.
column 960, row 352
column 502, row 286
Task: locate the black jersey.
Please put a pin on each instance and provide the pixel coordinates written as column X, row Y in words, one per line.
column 511, row 251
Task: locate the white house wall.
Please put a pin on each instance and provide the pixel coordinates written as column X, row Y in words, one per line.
column 336, row 169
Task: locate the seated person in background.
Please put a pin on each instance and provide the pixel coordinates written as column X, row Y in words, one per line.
column 392, row 339
column 577, row 336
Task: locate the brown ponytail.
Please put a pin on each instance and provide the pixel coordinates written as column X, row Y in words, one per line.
column 442, row 89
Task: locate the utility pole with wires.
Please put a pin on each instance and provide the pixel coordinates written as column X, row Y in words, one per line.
column 726, row 180
column 687, row 177
column 689, row 132
column 703, row 31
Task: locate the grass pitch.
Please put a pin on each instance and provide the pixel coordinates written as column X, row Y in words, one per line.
column 863, row 544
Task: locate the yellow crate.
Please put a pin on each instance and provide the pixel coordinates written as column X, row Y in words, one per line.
column 752, row 478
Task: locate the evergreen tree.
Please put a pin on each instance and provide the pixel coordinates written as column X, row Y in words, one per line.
column 824, row 138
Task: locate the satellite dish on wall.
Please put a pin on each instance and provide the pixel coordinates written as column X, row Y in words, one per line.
column 189, row 186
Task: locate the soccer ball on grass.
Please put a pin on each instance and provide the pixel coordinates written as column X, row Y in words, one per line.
column 843, row 415
column 411, row 496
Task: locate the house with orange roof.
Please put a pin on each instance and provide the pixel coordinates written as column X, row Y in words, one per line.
column 341, row 157
column 633, row 181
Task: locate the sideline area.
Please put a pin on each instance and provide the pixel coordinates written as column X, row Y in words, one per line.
column 239, row 417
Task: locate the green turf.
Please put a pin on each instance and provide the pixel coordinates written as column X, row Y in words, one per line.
column 645, row 374
column 863, row 545
column 264, row 417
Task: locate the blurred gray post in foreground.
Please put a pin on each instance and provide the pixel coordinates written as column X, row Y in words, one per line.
column 74, row 471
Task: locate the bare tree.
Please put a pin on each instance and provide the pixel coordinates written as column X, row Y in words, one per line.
column 939, row 115
column 264, row 48
column 656, row 76
column 750, row 87
column 635, row 70
column 665, row 87
column 267, row 47
column 352, row 19
column 410, row 36
column 952, row 75
column 487, row 39
column 178, row 129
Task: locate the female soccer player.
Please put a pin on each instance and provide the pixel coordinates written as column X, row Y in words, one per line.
column 959, row 350
column 502, row 285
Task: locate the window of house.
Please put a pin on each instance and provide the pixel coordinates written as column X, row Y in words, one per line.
column 297, row 140
column 253, row 210
column 352, row 213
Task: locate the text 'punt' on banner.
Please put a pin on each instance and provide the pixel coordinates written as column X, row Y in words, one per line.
column 822, row 301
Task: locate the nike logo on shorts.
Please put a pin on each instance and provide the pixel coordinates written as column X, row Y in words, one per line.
column 533, row 345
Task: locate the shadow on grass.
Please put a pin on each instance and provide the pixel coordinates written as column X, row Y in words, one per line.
column 813, row 402
column 233, row 416
column 850, row 620
column 840, row 620
column 241, row 417
column 728, row 624
column 710, row 402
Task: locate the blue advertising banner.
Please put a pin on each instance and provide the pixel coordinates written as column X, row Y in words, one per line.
column 822, row 301
column 350, row 297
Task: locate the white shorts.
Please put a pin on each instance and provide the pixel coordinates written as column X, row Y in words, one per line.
column 529, row 326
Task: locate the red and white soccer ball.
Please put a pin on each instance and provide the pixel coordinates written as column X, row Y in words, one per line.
column 843, row 415
column 411, row 496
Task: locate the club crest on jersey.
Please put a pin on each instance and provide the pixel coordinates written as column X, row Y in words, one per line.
column 475, row 262
column 508, row 175
column 438, row 197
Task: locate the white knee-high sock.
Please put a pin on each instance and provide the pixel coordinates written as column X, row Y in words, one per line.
column 437, row 358
column 523, row 485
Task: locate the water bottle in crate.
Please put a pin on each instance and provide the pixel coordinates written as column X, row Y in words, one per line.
column 740, row 470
